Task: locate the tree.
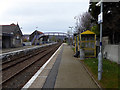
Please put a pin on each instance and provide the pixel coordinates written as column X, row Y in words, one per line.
column 85, row 22
column 53, row 38
column 111, row 18
column 96, row 30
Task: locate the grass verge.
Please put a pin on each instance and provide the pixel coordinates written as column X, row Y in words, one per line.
column 110, row 75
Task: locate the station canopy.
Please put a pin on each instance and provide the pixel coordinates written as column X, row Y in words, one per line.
column 88, row 32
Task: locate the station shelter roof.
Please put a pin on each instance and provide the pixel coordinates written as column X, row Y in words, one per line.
column 88, row 32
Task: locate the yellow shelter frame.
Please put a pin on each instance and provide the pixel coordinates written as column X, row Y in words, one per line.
column 78, row 41
column 75, row 43
column 88, row 43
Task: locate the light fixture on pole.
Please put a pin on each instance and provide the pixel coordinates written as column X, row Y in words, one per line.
column 99, row 3
column 71, row 29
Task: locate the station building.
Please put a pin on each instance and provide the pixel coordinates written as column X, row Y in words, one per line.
column 11, row 36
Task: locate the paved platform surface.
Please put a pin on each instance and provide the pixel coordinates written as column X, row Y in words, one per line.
column 15, row 49
column 64, row 71
column 71, row 73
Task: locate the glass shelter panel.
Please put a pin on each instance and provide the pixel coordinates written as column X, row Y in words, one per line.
column 88, row 43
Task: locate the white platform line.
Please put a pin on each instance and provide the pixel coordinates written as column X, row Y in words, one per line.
column 28, row 84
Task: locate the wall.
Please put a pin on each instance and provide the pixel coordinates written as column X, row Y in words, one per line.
column 0, row 38
column 6, row 42
column 27, row 43
column 105, row 40
column 16, row 42
column 112, row 52
column 0, row 41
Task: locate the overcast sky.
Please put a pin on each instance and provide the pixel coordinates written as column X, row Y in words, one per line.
column 47, row 15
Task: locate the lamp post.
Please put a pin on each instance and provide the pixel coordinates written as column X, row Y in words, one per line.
column 68, row 33
column 71, row 33
column 77, row 27
column 71, row 29
column 100, row 56
column 76, row 18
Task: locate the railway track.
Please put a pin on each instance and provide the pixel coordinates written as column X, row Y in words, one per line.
column 21, row 56
column 17, row 72
column 8, row 64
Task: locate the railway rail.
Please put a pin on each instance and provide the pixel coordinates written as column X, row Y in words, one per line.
column 23, row 54
column 17, row 72
column 8, row 64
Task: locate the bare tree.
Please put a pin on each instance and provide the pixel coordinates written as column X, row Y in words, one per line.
column 85, row 21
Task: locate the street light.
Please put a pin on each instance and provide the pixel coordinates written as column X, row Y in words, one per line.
column 71, row 33
column 76, row 18
column 100, row 59
column 99, row 3
column 71, row 30
column 68, row 32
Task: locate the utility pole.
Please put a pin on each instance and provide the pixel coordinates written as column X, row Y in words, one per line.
column 100, row 55
column 71, row 35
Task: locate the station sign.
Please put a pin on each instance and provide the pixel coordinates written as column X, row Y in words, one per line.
column 100, row 18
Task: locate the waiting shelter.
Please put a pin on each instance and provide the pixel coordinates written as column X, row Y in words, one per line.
column 77, row 44
column 88, row 43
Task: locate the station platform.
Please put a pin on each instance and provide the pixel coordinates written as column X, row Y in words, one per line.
column 62, row 70
column 6, row 50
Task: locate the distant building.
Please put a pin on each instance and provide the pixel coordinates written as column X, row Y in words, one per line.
column 34, row 37
column 36, row 32
column 0, row 37
column 26, row 38
column 11, row 36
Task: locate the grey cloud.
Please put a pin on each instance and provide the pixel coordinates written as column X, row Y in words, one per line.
column 47, row 16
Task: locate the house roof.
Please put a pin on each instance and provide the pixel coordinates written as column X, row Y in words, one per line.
column 10, row 29
column 36, row 31
column 39, row 32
